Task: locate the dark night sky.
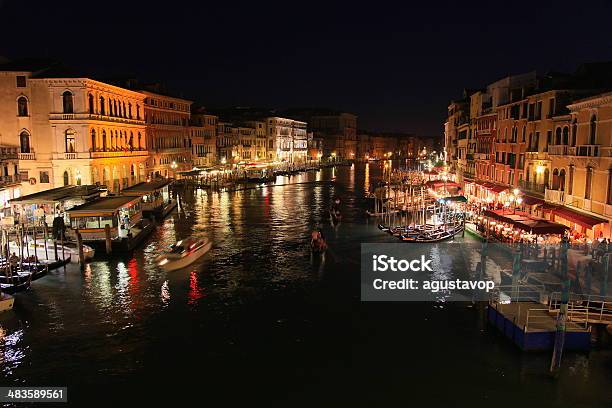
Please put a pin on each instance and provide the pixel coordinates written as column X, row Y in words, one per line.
column 395, row 65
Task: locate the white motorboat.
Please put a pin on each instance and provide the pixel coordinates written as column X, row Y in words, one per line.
column 183, row 254
column 70, row 250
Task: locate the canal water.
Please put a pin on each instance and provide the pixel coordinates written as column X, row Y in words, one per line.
column 260, row 320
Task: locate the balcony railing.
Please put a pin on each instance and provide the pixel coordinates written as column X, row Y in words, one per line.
column 531, row 186
column 557, row 150
column 119, row 153
column 587, row 150
column 554, row 196
column 27, row 156
column 605, row 151
column 92, row 116
column 10, row 179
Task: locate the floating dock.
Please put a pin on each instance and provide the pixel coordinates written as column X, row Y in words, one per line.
column 532, row 326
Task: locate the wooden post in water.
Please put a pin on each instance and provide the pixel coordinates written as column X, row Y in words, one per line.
column 46, row 238
column 555, row 363
column 63, row 254
column 20, row 247
column 107, row 234
column 34, row 240
column 55, row 247
column 79, row 240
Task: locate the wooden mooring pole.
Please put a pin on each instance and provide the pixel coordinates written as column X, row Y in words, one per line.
column 107, row 234
column 555, row 363
column 79, row 240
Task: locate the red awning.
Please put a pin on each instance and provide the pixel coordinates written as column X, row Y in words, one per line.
column 441, row 183
column 585, row 220
column 532, row 200
column 497, row 189
column 526, row 223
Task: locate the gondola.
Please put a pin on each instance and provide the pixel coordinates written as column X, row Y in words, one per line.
column 411, row 230
column 15, row 288
column 16, row 278
column 431, row 236
column 259, row 180
column 36, row 269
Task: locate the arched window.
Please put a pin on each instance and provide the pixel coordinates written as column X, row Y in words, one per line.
column 546, row 177
column 558, row 136
column 67, row 102
column 129, row 110
column 139, row 141
column 66, row 178
column 593, row 130
column 70, row 141
column 565, row 135
column 562, row 180
column 102, row 108
column 93, row 140
column 115, row 107
column 555, row 180
column 137, row 112
column 131, row 141
column 574, row 132
column 124, row 112
column 22, row 106
column 92, row 108
column 103, row 140
column 24, row 142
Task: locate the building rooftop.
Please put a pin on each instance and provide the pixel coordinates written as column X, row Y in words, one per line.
column 105, row 204
column 59, row 194
column 147, row 187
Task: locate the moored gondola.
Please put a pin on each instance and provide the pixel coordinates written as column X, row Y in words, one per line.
column 431, row 236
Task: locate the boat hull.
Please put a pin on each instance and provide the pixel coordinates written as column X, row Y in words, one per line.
column 185, row 261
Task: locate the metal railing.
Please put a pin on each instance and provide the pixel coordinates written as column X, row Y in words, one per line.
column 531, row 186
column 584, row 308
column 554, row 196
column 557, row 150
column 587, row 150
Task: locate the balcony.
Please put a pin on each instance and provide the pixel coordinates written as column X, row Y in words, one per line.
column 533, row 187
column 10, row 179
column 8, row 153
column 91, row 116
column 27, row 156
column 119, row 153
column 587, row 150
column 554, row 196
column 558, row 150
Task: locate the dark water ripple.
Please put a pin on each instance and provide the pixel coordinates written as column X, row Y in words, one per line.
column 260, row 319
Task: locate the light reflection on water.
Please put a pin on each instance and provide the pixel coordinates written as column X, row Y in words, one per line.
column 115, row 318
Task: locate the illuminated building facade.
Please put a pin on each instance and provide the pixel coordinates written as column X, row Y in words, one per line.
column 287, row 139
column 168, row 134
column 72, row 130
column 204, row 138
